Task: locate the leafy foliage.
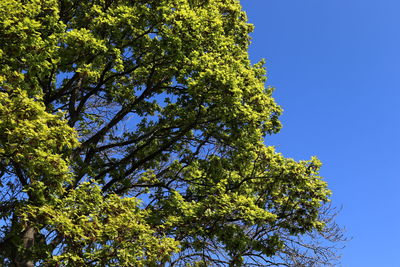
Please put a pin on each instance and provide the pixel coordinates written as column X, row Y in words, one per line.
column 132, row 134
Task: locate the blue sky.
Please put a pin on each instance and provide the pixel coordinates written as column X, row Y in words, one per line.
column 335, row 65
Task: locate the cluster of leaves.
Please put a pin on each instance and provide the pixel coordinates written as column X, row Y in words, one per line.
column 105, row 231
column 171, row 166
column 34, row 140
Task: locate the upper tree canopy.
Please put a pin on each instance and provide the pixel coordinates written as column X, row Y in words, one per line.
column 132, row 134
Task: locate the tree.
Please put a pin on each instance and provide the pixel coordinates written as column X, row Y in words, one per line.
column 132, row 134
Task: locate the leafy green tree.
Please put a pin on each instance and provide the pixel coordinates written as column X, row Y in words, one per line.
column 132, row 134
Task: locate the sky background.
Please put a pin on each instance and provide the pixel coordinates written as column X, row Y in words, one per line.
column 335, row 65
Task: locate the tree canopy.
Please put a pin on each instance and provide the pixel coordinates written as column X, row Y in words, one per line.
column 132, row 134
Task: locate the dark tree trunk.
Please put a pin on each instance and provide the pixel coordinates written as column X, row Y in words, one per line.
column 23, row 257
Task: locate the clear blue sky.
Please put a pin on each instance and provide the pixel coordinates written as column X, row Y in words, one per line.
column 335, row 65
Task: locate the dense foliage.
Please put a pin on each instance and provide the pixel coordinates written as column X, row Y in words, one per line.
column 132, row 134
